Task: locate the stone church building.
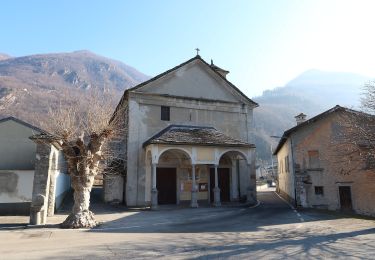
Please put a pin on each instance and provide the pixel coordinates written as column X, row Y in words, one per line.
column 188, row 140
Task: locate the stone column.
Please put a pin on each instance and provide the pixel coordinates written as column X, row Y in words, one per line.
column 217, row 202
column 39, row 203
column 194, row 190
column 154, row 191
column 251, row 189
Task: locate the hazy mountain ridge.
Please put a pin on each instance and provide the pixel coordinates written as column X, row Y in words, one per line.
column 312, row 93
column 29, row 84
column 4, row 56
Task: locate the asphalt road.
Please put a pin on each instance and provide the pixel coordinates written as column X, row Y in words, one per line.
column 272, row 230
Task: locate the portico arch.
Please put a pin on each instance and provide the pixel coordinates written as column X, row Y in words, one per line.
column 233, row 153
column 178, row 153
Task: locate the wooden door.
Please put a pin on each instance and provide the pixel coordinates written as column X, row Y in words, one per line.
column 166, row 185
column 345, row 197
column 224, row 184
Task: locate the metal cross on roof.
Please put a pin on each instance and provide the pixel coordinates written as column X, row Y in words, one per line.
column 197, row 49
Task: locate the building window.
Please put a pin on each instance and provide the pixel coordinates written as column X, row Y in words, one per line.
column 319, row 190
column 314, row 159
column 165, row 113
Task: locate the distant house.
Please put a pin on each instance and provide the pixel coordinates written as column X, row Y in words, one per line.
column 314, row 170
column 17, row 168
column 189, row 140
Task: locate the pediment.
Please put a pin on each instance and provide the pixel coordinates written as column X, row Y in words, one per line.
column 194, row 80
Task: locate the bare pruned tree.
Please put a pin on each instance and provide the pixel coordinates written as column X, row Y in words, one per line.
column 87, row 131
column 354, row 136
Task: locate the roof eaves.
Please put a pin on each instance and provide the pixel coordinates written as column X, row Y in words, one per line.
column 164, row 73
column 288, row 132
column 211, row 144
column 149, row 81
column 197, row 57
column 231, row 84
column 23, row 123
column 160, row 133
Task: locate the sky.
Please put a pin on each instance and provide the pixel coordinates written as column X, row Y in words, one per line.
column 264, row 44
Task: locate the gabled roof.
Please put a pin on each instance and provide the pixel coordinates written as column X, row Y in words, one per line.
column 194, row 135
column 181, row 65
column 312, row 120
column 19, row 121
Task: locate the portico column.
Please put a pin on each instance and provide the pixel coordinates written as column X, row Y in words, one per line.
column 251, row 189
column 217, row 202
column 194, row 190
column 154, row 191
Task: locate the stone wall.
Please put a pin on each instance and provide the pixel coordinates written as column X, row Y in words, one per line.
column 50, row 182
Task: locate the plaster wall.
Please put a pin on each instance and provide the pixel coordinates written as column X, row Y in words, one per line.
column 144, row 112
column 320, row 136
column 192, row 80
column 16, row 186
column 62, row 187
column 286, row 180
column 17, row 151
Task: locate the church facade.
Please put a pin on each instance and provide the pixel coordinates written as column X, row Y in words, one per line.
column 188, row 140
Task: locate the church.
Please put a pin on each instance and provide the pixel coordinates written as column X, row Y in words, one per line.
column 188, row 140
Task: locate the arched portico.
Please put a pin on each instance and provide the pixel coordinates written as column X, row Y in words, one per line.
column 197, row 172
column 241, row 164
column 194, row 151
column 168, row 165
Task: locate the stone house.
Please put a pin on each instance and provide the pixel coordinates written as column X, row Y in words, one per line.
column 188, row 140
column 315, row 171
column 18, row 156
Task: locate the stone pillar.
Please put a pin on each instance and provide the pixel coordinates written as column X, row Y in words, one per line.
column 235, row 180
column 217, row 202
column 251, row 189
column 51, row 193
column 194, row 190
column 52, row 186
column 154, row 191
column 39, row 203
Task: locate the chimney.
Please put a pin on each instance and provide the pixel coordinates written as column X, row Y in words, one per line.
column 219, row 70
column 300, row 118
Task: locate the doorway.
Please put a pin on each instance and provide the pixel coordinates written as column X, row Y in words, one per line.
column 345, row 198
column 224, row 184
column 166, row 185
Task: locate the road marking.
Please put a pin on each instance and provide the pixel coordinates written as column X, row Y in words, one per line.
column 256, row 205
column 292, row 207
column 162, row 223
column 287, row 202
column 114, row 228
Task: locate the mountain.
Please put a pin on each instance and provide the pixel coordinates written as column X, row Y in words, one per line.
column 312, row 92
column 29, row 84
column 4, row 56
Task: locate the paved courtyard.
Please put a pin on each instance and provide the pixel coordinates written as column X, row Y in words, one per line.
column 272, row 230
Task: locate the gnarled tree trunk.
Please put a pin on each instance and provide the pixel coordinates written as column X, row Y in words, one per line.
column 81, row 216
column 83, row 163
